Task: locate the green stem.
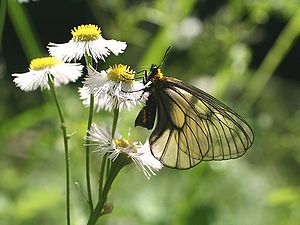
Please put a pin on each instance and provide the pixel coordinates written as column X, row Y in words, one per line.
column 108, row 165
column 87, row 154
column 99, row 207
column 113, row 131
column 111, row 173
column 65, row 137
column 273, row 59
column 105, row 160
column 87, row 145
column 101, row 176
column 115, row 122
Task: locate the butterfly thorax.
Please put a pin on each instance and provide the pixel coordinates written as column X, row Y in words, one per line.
column 155, row 73
column 156, row 77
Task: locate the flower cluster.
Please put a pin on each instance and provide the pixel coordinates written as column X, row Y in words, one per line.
column 113, row 88
column 87, row 40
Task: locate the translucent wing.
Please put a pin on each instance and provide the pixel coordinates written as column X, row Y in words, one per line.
column 193, row 126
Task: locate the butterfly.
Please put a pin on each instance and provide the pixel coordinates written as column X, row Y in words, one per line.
column 191, row 126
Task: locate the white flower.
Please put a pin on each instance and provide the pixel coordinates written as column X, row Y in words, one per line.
column 87, row 39
column 139, row 153
column 112, row 88
column 41, row 68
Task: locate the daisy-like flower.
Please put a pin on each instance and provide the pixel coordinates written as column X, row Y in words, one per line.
column 139, row 153
column 112, row 88
column 41, row 68
column 87, row 39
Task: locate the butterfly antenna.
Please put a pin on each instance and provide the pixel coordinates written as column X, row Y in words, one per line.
column 141, row 76
column 165, row 56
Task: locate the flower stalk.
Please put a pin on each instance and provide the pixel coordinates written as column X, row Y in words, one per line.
column 106, row 163
column 116, row 167
column 115, row 121
column 88, row 60
column 65, row 137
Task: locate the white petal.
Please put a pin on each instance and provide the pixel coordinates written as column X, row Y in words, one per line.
column 116, row 47
column 84, row 93
column 65, row 72
column 31, row 80
column 67, row 51
column 103, row 90
column 146, row 161
column 95, row 80
column 99, row 134
column 100, row 99
column 98, row 49
column 75, row 50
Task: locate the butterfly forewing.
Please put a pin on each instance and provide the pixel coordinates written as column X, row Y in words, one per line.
column 193, row 126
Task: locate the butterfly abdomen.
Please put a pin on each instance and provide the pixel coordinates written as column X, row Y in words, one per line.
column 147, row 115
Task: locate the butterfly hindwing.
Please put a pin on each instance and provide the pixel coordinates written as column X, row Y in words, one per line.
column 229, row 134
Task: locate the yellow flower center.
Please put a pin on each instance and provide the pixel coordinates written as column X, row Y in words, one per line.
column 86, row 32
column 120, row 72
column 122, row 142
column 43, row 63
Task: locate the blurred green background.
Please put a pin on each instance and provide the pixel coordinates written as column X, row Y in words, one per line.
column 244, row 52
